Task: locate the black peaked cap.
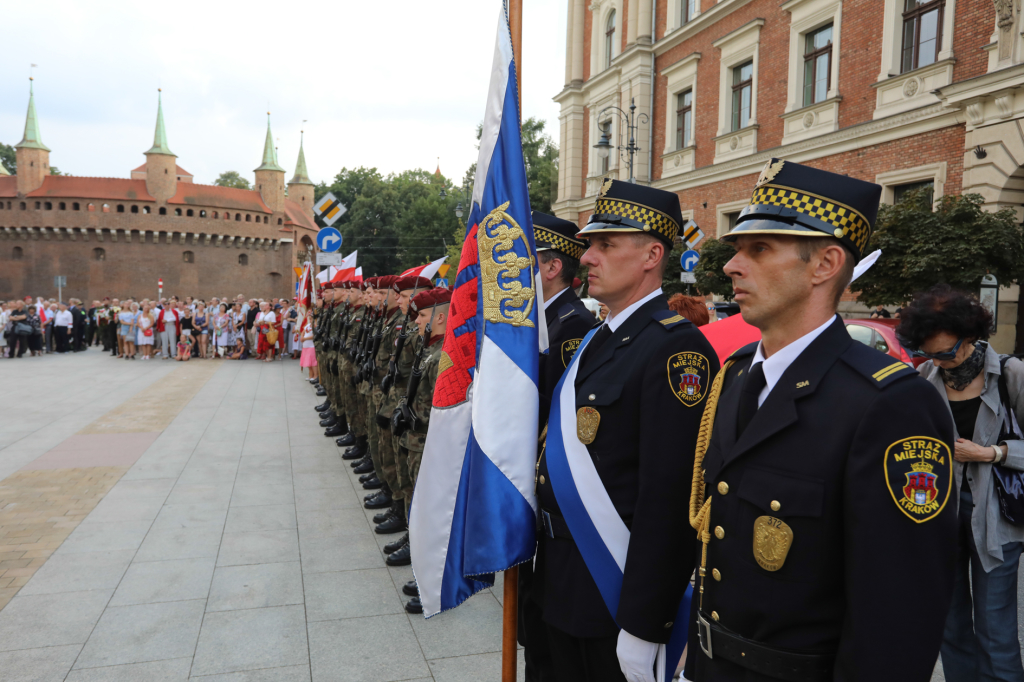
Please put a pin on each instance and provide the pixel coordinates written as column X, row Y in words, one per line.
column 555, row 234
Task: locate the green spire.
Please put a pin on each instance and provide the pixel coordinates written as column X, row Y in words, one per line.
column 160, row 136
column 269, row 153
column 301, row 174
column 32, row 140
column 3, row 171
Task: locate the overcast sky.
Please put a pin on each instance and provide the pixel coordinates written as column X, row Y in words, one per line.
column 392, row 84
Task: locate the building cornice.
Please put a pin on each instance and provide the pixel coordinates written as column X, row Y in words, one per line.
column 702, row 22
column 955, row 94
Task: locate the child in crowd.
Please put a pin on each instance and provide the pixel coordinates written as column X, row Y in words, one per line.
column 239, row 353
column 308, row 351
column 185, row 342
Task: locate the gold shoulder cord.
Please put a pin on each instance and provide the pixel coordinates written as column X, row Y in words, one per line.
column 700, row 509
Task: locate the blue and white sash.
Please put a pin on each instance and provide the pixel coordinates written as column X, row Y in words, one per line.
column 596, row 527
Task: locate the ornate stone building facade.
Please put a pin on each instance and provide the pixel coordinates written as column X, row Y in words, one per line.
column 117, row 237
column 905, row 93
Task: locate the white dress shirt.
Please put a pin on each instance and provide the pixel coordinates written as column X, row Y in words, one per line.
column 779, row 362
column 616, row 321
column 544, row 302
column 64, row 318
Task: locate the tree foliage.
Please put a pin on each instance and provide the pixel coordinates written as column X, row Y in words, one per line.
column 232, row 179
column 8, row 158
column 710, row 270
column 541, row 156
column 957, row 242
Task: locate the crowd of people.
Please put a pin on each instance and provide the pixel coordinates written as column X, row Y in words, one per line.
column 169, row 328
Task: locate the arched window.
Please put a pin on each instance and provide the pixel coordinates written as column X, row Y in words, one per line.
column 106, row 208
column 243, row 259
column 609, row 39
column 145, row 209
column 120, row 208
column 188, row 257
column 188, row 213
column 177, row 211
column 22, row 206
column 62, row 206
column 215, row 215
column 17, row 253
column 266, row 220
column 278, row 221
column 74, row 206
column 135, row 209
column 248, row 218
column 163, row 211
column 99, row 254
column 38, row 205
column 48, row 206
column 238, row 217
column 90, row 207
column 202, row 214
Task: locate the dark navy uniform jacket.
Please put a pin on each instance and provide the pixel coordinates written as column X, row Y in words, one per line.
column 568, row 322
column 852, row 450
column 648, row 382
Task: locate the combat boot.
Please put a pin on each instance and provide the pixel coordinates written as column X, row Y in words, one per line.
column 402, row 557
column 347, row 440
column 372, row 483
column 395, row 524
column 379, row 500
column 328, row 419
column 364, row 468
column 379, row 518
column 320, row 391
column 396, row 545
column 335, row 430
column 411, row 589
column 414, row 606
column 323, row 407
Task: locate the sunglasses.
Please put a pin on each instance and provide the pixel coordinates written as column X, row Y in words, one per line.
column 945, row 355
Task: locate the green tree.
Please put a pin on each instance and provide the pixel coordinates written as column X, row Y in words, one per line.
column 8, row 158
column 710, row 275
column 541, row 156
column 956, row 242
column 232, row 179
column 56, row 171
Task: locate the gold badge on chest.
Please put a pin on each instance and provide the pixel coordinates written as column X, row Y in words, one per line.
column 772, row 539
column 587, row 421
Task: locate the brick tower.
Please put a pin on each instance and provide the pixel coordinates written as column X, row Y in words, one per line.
column 32, row 155
column 161, row 168
column 300, row 187
column 270, row 175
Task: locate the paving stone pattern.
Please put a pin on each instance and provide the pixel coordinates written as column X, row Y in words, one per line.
column 235, row 547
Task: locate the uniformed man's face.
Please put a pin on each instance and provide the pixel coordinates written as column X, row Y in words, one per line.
column 617, row 264
column 768, row 277
column 422, row 318
column 403, row 300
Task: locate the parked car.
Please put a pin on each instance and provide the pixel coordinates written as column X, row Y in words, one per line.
column 880, row 334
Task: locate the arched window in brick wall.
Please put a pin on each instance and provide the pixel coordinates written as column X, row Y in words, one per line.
column 120, row 208
column 177, row 212
column 62, row 206
column 248, row 218
column 145, row 210
column 99, row 254
column 238, row 217
column 75, row 206
column 202, row 214
column 17, row 253
column 188, row 257
column 90, row 207
column 278, row 221
column 188, row 213
column 163, row 211
column 266, row 220
column 38, row 206
column 48, row 205
column 135, row 209
column 106, row 208
column 243, row 259
column 22, row 206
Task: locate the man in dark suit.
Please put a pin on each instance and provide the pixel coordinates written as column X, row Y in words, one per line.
column 828, row 529
column 633, row 396
column 78, row 344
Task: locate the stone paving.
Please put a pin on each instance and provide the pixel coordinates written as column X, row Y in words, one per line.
column 221, row 538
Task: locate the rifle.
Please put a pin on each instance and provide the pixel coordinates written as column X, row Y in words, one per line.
column 335, row 340
column 403, row 418
column 345, row 328
column 371, row 361
column 392, row 373
column 361, row 360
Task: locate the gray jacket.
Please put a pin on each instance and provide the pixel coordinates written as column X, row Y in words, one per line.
column 989, row 528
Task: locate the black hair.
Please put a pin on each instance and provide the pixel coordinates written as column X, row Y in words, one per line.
column 944, row 309
column 569, row 265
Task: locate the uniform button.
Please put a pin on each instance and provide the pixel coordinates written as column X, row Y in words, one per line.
column 723, row 488
column 719, row 532
column 542, row 479
column 775, row 505
column 714, row 616
column 592, row 396
column 716, row 574
column 668, row 625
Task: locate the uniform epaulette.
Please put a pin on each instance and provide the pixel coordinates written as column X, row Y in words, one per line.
column 878, row 368
column 744, row 351
column 669, row 318
column 567, row 311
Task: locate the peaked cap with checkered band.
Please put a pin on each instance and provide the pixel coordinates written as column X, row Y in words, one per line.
column 554, row 234
column 626, row 207
column 790, row 198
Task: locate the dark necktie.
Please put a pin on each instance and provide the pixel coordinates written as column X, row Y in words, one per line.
column 752, row 388
column 602, row 335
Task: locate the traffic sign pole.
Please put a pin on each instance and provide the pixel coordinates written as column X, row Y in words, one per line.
column 160, row 288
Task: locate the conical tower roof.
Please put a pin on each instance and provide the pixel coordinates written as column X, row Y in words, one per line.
column 32, row 139
column 269, row 153
column 160, row 136
column 301, row 174
column 3, row 171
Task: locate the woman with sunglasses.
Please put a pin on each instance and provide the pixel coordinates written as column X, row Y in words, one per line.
column 950, row 328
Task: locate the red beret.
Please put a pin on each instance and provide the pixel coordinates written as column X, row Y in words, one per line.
column 427, row 299
column 411, row 282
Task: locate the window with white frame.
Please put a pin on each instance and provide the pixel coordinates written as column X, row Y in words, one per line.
column 609, row 39
column 742, row 94
column 922, row 33
column 688, row 11
column 684, row 118
column 817, row 65
column 896, row 185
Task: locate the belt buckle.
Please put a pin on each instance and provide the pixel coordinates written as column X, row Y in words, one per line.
column 704, row 634
column 545, row 520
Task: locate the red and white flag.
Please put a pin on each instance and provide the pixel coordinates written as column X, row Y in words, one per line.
column 428, row 270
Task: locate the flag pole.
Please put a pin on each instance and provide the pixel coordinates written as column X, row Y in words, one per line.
column 510, row 601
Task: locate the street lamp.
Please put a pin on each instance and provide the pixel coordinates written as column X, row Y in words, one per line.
column 458, row 210
column 632, row 121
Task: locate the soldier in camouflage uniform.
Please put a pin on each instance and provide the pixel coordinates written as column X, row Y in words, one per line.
column 405, row 335
column 356, row 439
column 431, row 310
column 334, row 388
column 380, row 288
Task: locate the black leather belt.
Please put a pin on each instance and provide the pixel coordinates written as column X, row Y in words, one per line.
column 553, row 525
column 717, row 642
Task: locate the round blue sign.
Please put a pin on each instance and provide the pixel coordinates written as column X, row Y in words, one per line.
column 328, row 240
column 688, row 261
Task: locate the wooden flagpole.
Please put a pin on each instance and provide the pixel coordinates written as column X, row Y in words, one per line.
column 510, row 602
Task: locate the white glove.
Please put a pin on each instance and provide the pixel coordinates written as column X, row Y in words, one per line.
column 636, row 657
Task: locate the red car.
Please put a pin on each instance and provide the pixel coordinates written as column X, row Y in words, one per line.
column 880, row 334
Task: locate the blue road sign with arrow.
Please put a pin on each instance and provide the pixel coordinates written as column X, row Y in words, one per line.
column 328, row 240
column 688, row 261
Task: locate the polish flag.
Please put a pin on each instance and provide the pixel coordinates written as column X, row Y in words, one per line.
column 428, row 270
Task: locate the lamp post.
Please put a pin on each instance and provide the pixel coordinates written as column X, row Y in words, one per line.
column 632, row 121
